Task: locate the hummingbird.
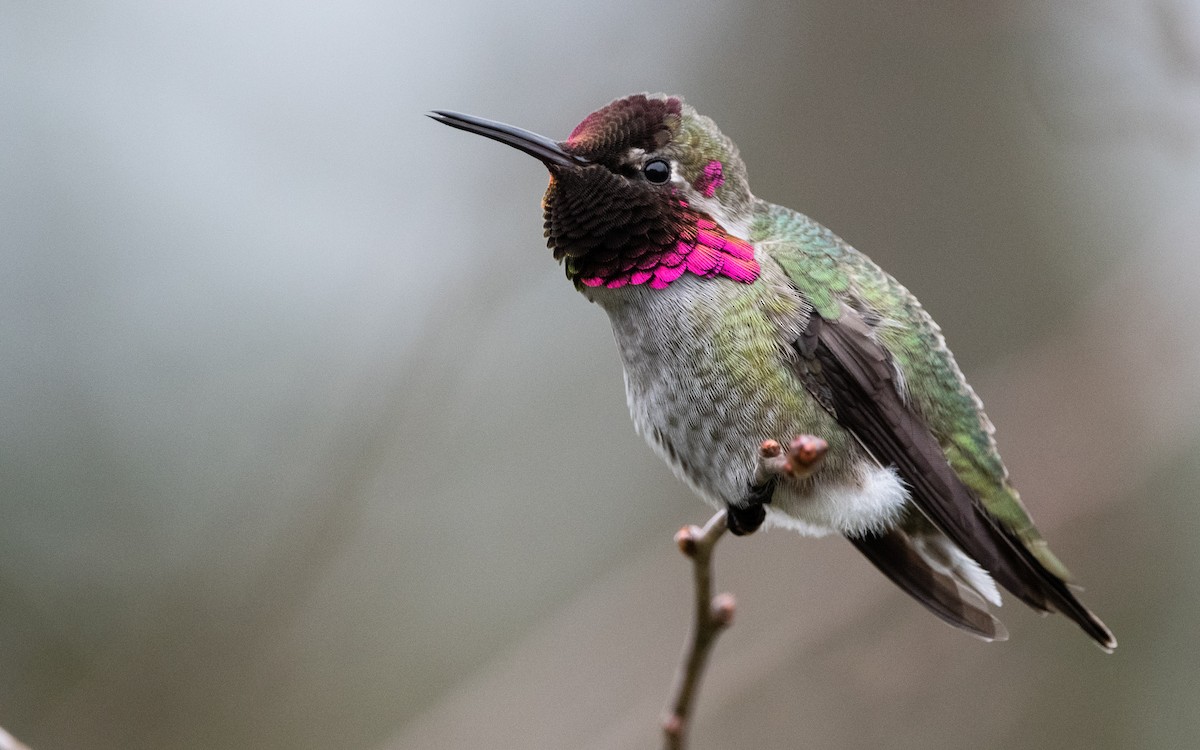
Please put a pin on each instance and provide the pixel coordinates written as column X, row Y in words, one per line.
column 740, row 322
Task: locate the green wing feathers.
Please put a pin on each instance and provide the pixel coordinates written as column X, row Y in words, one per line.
column 829, row 273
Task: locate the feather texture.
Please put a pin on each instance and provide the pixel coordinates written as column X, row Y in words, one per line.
column 904, row 560
column 859, row 387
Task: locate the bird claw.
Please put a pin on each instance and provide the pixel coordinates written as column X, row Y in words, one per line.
column 805, row 453
column 799, row 460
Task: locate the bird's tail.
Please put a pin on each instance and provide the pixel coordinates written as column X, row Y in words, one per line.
column 935, row 572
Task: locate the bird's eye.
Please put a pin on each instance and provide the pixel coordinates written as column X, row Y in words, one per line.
column 657, row 171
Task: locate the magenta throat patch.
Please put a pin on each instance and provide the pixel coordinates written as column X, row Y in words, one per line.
column 710, row 252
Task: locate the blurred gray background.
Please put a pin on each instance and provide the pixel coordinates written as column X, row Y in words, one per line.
column 305, row 442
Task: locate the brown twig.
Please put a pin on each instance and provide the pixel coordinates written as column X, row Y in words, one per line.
column 715, row 613
column 712, row 615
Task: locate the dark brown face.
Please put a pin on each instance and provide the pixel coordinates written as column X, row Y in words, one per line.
column 621, row 209
column 594, row 214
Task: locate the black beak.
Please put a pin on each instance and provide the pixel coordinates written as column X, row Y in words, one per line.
column 538, row 146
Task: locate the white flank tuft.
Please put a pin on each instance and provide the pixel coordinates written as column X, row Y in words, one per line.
column 872, row 505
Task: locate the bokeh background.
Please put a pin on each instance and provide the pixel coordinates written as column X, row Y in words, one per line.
column 305, row 442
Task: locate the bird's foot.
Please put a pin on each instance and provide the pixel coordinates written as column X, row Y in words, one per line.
column 799, row 460
column 745, row 519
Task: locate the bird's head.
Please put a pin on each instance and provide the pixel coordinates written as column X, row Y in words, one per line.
column 642, row 191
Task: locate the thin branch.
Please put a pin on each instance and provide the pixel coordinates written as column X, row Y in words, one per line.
column 712, row 615
column 715, row 613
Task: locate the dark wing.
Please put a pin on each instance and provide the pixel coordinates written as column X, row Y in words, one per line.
column 855, row 379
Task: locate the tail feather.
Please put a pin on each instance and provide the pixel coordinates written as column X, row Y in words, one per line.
column 928, row 571
column 1060, row 597
column 941, row 553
